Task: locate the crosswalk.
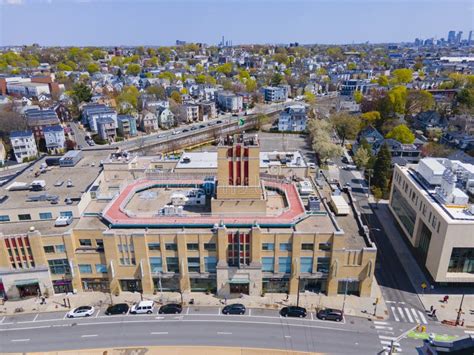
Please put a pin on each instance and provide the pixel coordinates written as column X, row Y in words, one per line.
column 408, row 315
column 387, row 336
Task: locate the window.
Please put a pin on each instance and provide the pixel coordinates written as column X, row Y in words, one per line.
column 172, row 264
column 156, row 264
column 405, row 213
column 4, row 218
column 59, row 266
column 46, row 215
column 285, row 246
column 48, row 249
column 210, row 263
column 100, row 244
column 24, row 217
column 154, row 246
column 238, row 252
column 101, row 268
column 307, row 246
column 324, row 246
column 210, row 246
column 323, row 265
column 85, row 242
column 192, row 246
column 85, row 268
column 127, row 261
column 268, row 246
column 284, row 264
column 171, row 246
column 306, row 264
column 348, row 287
column 60, row 248
column 268, row 264
column 194, row 265
column 65, row 214
column 462, row 260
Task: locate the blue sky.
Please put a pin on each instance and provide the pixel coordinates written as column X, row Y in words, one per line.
column 161, row 22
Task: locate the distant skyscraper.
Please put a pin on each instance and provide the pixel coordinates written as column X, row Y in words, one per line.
column 459, row 37
column 469, row 39
column 451, row 36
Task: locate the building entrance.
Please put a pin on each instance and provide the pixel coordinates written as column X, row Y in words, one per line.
column 239, row 288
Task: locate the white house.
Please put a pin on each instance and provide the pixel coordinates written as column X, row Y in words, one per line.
column 55, row 138
column 24, row 145
column 293, row 118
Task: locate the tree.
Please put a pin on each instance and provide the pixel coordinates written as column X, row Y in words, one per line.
column 378, row 194
column 167, row 75
column 225, row 69
column 361, row 158
column 433, row 149
column 398, row 99
column 401, row 133
column 382, row 168
column 346, row 126
column 382, row 80
column 176, row 97
column 310, row 98
column 369, row 118
column 64, row 67
column 98, row 54
column 70, row 144
column 419, row 101
column 358, row 96
column 403, row 76
column 276, row 79
column 157, row 90
column 134, row 69
column 466, row 97
column 323, row 146
column 250, row 85
column 81, row 93
column 128, row 99
column 93, row 68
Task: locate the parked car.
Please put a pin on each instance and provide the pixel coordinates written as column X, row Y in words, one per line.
column 193, row 128
column 119, row 308
column 201, row 126
column 143, row 307
column 83, row 311
column 171, row 308
column 219, row 122
column 293, row 311
column 235, row 308
column 330, row 314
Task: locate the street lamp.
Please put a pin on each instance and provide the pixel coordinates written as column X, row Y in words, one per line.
column 298, row 293
column 458, row 318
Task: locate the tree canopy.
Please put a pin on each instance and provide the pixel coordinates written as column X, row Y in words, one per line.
column 401, row 133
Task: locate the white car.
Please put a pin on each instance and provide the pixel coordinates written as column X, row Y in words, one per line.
column 83, row 311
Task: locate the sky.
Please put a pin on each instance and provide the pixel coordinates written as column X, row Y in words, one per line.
column 162, row 22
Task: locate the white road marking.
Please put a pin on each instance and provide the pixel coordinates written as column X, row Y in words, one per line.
column 159, row 317
column 287, row 336
column 409, row 315
column 400, row 309
column 34, row 320
column 250, row 312
column 394, row 314
column 187, row 311
column 25, row 328
column 383, row 327
column 219, row 311
column 469, row 331
column 386, row 337
column 380, row 323
column 402, row 302
column 386, row 342
column 311, row 316
column 97, row 313
column 1, row 320
column 415, row 315
column 422, row 316
column 20, row 340
column 89, row 336
column 159, row 333
column 65, row 316
column 390, row 302
column 224, row 333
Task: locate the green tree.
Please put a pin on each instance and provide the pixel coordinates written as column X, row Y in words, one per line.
column 250, row 85
column 466, row 97
column 244, row 75
column 346, row 126
column 382, row 169
column 128, row 97
column 378, row 194
column 98, row 54
column 81, row 93
column 335, row 53
column 361, row 158
column 134, row 69
column 401, row 133
column 93, row 68
column 200, row 79
column 322, row 144
column 418, row 101
column 369, row 118
column 402, row 76
column 382, row 80
column 398, row 99
column 225, row 69
column 157, row 90
column 167, row 75
column 310, row 98
column 358, row 96
column 64, row 67
column 176, row 96
column 276, row 79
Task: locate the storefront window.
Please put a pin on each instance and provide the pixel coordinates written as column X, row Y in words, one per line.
column 405, row 213
column 275, row 285
column 210, row 263
column 203, row 285
column 462, row 260
column 59, row 266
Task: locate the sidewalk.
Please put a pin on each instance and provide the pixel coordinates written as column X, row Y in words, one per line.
column 449, row 311
column 354, row 306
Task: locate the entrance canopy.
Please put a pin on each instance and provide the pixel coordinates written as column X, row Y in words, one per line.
column 26, row 282
column 240, row 279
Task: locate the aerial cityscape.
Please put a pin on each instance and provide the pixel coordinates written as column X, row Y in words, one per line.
column 236, row 177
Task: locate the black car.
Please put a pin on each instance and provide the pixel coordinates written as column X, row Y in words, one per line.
column 330, row 314
column 119, row 308
column 219, row 122
column 185, row 130
column 193, row 128
column 293, row 311
column 172, row 308
column 235, row 308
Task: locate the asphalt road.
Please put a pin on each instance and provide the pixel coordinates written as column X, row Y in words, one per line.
column 195, row 326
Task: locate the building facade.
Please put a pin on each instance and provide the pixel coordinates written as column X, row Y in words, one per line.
column 54, row 138
column 24, row 145
column 293, row 119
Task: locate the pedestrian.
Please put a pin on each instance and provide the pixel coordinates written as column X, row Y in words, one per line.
column 445, row 299
column 287, row 296
column 431, row 309
column 225, row 301
column 43, row 300
column 433, row 314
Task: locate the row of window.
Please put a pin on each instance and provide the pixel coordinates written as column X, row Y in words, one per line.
column 42, row 216
column 288, row 246
column 306, row 264
column 174, row 246
column 54, row 248
column 87, row 268
column 172, row 264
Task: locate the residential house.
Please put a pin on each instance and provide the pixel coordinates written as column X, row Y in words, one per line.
column 148, row 121
column 458, row 140
column 429, row 119
column 371, row 135
column 24, row 145
column 402, row 154
column 91, row 113
column 293, row 118
column 207, row 110
column 166, row 119
column 54, row 138
column 191, row 112
column 106, row 128
column 37, row 120
column 229, row 102
column 275, row 94
column 127, row 125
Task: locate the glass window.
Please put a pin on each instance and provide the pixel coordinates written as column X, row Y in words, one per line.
column 268, row 246
column 210, row 263
column 85, row 268
column 348, row 287
column 24, row 217
column 284, row 264
column 172, row 264
column 60, row 248
column 48, row 249
column 4, row 218
column 307, row 246
column 46, row 215
column 101, row 268
column 171, row 246
column 323, row 265
column 65, row 214
column 59, row 266
column 462, row 260
column 405, row 213
column 194, row 265
column 85, row 242
column 285, row 246
column 210, row 246
column 100, row 244
column 324, row 246
column 192, row 246
column 306, row 264
column 268, row 264
column 156, row 264
column 154, row 246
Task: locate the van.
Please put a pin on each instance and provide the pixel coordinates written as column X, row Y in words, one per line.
column 142, row 307
column 62, row 221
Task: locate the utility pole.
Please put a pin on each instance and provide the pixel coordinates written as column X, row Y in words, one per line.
column 298, row 293
column 369, row 171
column 458, row 318
column 345, row 294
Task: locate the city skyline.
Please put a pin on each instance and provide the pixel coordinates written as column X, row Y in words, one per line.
column 260, row 22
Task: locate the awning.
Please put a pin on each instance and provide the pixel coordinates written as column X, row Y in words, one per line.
column 240, row 279
column 26, row 282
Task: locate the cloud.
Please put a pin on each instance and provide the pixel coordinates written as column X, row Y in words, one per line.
column 12, row 2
